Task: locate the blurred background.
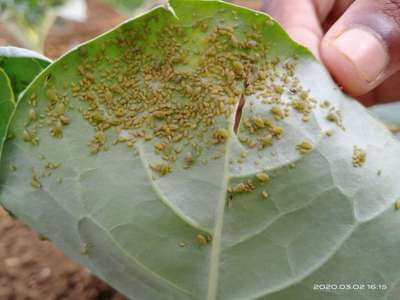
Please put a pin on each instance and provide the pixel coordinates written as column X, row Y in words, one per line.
column 31, row 268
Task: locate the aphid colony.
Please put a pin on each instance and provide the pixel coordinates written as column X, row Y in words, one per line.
column 359, row 157
column 180, row 95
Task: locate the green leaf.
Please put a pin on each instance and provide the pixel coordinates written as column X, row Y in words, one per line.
column 7, row 105
column 29, row 20
column 134, row 7
column 133, row 168
column 21, row 66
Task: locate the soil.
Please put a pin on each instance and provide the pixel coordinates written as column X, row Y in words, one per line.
column 32, row 269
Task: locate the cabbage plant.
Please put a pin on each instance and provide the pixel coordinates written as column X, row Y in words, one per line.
column 197, row 152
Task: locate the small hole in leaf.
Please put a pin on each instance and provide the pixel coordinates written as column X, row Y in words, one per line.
column 238, row 114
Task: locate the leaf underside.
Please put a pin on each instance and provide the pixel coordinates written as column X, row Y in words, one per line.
column 133, row 168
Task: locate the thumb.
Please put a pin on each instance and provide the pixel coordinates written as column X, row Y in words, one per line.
column 362, row 48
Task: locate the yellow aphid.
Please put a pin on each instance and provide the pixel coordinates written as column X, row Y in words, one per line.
column 159, row 114
column 61, row 108
column 101, row 137
column 259, row 122
column 64, row 120
column 359, row 157
column 397, row 204
column 159, row 146
column 263, row 177
column 32, row 115
column 278, row 89
column 26, row 136
column 243, row 187
column 304, row 147
column 202, row 239
column 35, row 182
column 243, row 153
column 52, row 95
column 220, row 135
column 189, row 160
column 277, row 132
column 264, row 194
column 162, row 168
column 57, row 131
column 238, row 67
column 277, row 111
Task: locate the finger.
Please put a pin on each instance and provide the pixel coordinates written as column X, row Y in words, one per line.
column 300, row 19
column 362, row 48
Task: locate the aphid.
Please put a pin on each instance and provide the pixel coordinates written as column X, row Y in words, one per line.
column 189, row 160
column 397, row 204
column 243, row 187
column 32, row 115
column 162, row 168
column 278, row 89
column 259, row 122
column 61, row 108
column 43, row 238
column 64, row 120
column 52, row 95
column 238, row 67
column 57, row 131
column 277, row 132
column 277, row 112
column 35, row 182
column 220, row 135
column 84, row 249
column 304, row 147
column 262, row 177
column 265, row 141
column 159, row 114
column 101, row 137
column 329, row 132
column 13, row 168
column 264, row 194
column 26, row 136
column 243, row 153
column 201, row 239
column 359, row 157
column 262, row 75
column 52, row 166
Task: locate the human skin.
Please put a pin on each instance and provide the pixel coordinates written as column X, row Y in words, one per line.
column 357, row 40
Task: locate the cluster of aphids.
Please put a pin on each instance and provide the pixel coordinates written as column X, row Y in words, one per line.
column 177, row 88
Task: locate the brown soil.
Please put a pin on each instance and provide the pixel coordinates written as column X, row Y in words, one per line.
column 31, row 269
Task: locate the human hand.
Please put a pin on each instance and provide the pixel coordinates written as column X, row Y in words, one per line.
column 357, row 40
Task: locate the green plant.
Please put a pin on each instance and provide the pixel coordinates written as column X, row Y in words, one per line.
column 30, row 20
column 18, row 67
column 143, row 166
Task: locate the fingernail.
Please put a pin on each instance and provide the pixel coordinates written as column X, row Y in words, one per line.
column 365, row 51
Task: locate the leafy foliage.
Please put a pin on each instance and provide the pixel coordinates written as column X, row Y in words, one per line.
column 134, row 7
column 134, row 168
column 21, row 66
column 7, row 103
column 18, row 67
column 30, row 20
